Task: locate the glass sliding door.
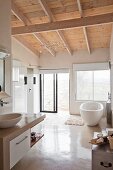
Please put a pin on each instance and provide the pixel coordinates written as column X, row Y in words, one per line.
column 48, row 93
column 63, row 92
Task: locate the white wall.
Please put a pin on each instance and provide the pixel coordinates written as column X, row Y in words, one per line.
column 33, row 102
column 5, row 43
column 63, row 60
column 20, row 90
column 23, row 101
column 23, row 54
column 27, row 58
column 36, row 90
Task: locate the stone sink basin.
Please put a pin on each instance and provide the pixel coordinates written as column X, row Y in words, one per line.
column 9, row 120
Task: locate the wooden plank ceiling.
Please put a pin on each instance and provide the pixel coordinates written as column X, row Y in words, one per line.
column 90, row 35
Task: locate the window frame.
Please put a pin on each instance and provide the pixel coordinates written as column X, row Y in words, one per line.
column 75, row 77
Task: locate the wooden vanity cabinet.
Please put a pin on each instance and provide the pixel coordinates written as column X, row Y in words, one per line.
column 19, row 146
column 15, row 142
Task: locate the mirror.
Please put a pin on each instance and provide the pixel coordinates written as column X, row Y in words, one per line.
column 3, row 55
column 2, row 74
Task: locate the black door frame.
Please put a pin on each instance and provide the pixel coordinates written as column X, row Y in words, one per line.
column 55, row 94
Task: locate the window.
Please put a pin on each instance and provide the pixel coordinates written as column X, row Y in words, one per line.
column 93, row 85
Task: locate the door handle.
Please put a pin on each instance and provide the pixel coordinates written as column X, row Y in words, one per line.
column 106, row 164
column 22, row 140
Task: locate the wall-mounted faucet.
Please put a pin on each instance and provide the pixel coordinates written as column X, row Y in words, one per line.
column 2, row 102
column 2, row 96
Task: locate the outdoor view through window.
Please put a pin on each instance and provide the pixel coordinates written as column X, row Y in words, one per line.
column 55, row 92
column 93, row 85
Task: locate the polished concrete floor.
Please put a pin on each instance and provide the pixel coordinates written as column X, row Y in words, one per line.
column 63, row 147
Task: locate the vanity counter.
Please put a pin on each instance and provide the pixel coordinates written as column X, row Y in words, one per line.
column 7, row 135
column 27, row 121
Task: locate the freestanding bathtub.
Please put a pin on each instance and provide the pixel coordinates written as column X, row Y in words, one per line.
column 91, row 112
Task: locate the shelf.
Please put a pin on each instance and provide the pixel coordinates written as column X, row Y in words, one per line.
column 38, row 137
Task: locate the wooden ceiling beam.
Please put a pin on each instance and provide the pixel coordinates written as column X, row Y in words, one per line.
column 25, row 20
column 87, row 40
column 84, row 28
column 37, row 35
column 66, row 24
column 80, row 8
column 19, row 14
column 27, row 45
column 44, row 43
column 46, row 9
column 66, row 45
column 111, row 39
column 51, row 19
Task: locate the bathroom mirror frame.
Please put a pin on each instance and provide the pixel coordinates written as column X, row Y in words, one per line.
column 2, row 74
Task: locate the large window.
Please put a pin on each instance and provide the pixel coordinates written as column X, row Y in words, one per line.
column 93, row 85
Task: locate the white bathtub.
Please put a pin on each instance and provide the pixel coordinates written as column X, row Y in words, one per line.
column 91, row 112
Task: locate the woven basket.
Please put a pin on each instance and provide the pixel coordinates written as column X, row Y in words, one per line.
column 110, row 142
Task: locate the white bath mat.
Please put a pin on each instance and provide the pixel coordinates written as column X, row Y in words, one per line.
column 75, row 120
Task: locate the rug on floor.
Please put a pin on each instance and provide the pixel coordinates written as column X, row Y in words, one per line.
column 74, row 120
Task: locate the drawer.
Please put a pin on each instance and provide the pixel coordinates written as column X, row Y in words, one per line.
column 102, row 161
column 19, row 146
